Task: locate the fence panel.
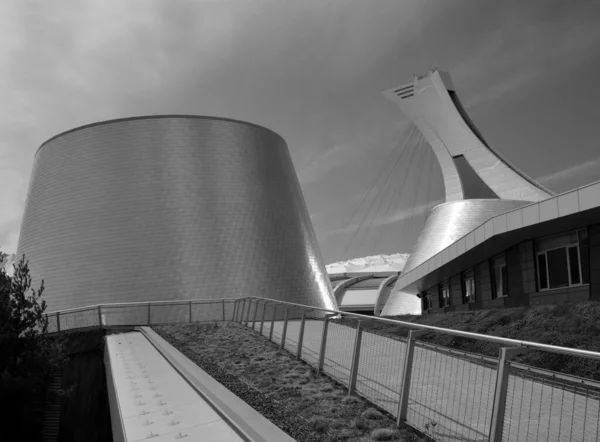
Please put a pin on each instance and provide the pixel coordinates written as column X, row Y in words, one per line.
column 79, row 319
column 207, row 311
column 294, row 318
column 338, row 351
column 380, row 369
column 136, row 314
column 170, row 313
column 311, row 342
column 53, row 322
column 546, row 406
column 451, row 394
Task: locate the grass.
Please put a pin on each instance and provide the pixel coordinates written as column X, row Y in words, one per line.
column 565, row 325
column 321, row 404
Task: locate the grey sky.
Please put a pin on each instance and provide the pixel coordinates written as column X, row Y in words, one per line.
column 311, row 70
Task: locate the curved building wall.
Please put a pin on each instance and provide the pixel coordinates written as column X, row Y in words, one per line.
column 448, row 222
column 170, row 208
column 400, row 303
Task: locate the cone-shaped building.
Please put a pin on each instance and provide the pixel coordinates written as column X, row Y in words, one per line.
column 169, row 208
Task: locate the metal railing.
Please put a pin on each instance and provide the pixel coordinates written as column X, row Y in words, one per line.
column 446, row 393
column 141, row 313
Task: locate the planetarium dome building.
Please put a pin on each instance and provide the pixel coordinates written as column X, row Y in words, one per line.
column 169, row 208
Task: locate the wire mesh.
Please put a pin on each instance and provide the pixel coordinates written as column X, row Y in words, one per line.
column 380, row 369
column 206, row 311
column 258, row 312
column 338, row 351
column 294, row 319
column 79, row 319
column 311, row 341
column 170, row 313
column 124, row 314
column 542, row 405
column 249, row 312
column 451, row 393
column 53, row 322
column 227, row 310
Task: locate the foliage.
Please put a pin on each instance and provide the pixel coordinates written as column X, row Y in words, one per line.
column 27, row 353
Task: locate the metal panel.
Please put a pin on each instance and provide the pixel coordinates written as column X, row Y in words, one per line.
column 499, row 224
column 170, row 207
column 531, row 215
column 448, row 222
column 568, row 203
column 548, row 209
column 514, row 220
column 589, row 196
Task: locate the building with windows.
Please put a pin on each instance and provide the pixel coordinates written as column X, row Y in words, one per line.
column 500, row 239
column 220, row 198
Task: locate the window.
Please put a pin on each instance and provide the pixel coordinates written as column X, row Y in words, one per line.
column 563, row 260
column 444, row 294
column 468, row 286
column 427, row 301
column 499, row 277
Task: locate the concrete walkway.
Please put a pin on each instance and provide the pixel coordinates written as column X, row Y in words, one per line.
column 157, row 394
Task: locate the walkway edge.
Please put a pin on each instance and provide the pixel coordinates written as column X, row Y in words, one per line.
column 241, row 416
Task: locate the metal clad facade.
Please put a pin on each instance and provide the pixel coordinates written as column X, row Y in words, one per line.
column 170, row 208
column 448, row 222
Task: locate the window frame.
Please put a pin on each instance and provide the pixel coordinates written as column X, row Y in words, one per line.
column 444, row 301
column 567, row 247
column 493, row 267
column 473, row 297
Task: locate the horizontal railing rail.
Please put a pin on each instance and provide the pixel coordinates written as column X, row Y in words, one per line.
column 447, row 393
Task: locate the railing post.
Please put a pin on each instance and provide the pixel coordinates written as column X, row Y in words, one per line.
column 190, row 311
column 273, row 323
column 149, row 307
column 301, row 335
column 262, row 319
column 355, row 359
column 57, row 321
column 255, row 314
column 242, row 311
column 236, row 304
column 506, row 354
column 248, row 312
column 100, row 324
column 223, row 309
column 284, row 332
column 406, row 375
column 323, row 343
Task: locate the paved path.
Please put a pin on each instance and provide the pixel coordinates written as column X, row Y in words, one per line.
column 454, row 392
column 154, row 401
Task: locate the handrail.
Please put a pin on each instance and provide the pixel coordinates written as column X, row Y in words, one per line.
column 409, row 325
column 495, row 339
column 140, row 303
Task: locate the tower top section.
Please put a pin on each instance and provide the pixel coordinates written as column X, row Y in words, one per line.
column 470, row 167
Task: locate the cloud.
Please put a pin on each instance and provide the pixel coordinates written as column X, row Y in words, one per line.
column 585, row 168
column 322, row 164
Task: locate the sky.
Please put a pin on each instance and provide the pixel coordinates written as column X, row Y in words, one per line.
column 312, row 71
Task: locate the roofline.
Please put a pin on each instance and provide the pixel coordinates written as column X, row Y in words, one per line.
column 419, row 272
column 156, row 117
